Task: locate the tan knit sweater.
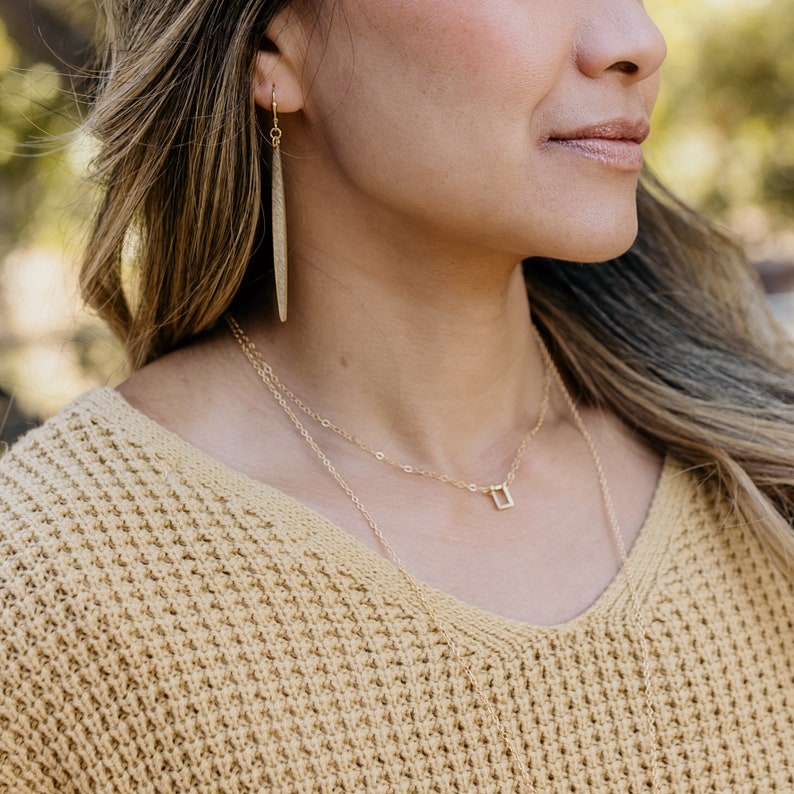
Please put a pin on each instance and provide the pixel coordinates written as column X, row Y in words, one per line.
column 170, row 625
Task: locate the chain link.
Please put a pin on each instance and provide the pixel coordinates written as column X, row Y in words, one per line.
column 253, row 353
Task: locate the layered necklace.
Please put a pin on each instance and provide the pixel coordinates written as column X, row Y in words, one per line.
column 499, row 493
column 502, row 498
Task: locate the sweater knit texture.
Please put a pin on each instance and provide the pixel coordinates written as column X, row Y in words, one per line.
column 169, row 625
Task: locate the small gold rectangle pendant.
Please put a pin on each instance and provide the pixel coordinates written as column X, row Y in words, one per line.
column 501, row 497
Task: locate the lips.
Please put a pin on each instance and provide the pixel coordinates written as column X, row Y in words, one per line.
column 614, row 143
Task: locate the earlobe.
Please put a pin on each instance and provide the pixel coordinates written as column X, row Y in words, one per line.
column 281, row 65
column 273, row 72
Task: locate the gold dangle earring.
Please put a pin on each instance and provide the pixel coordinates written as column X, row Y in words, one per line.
column 279, row 215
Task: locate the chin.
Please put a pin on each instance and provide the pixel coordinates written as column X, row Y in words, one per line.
column 599, row 239
column 609, row 249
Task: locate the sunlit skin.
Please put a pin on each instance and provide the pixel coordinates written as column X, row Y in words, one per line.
column 440, row 115
column 429, row 147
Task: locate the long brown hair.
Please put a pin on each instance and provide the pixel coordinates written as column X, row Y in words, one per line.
column 674, row 337
column 179, row 165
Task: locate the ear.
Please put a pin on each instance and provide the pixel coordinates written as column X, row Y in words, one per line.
column 279, row 66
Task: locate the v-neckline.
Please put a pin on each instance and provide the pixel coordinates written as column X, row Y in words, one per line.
column 644, row 556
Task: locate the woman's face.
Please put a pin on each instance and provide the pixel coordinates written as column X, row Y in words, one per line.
column 509, row 124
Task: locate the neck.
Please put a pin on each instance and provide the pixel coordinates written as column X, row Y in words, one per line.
column 424, row 363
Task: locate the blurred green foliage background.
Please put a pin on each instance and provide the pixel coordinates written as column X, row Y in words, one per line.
column 724, row 126
column 723, row 139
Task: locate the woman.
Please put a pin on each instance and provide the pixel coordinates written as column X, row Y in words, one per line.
column 227, row 575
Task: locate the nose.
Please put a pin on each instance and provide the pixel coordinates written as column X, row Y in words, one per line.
column 618, row 37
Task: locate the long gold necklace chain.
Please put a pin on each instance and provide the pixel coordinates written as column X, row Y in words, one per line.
column 267, row 376
column 500, row 493
column 609, row 505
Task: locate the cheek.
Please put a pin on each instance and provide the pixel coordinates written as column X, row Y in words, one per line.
column 395, row 71
column 387, row 76
column 450, row 51
column 406, row 92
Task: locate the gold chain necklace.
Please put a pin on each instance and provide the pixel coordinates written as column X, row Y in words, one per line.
column 499, row 493
column 267, row 376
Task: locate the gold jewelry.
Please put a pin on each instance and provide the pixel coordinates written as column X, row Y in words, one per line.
column 266, row 374
column 500, row 493
column 278, row 228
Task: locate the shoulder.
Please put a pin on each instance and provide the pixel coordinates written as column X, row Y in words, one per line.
column 76, row 441
column 81, row 456
column 95, row 486
column 207, row 396
column 102, row 484
column 190, row 392
column 70, row 491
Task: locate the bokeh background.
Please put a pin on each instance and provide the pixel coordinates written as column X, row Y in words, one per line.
column 723, row 140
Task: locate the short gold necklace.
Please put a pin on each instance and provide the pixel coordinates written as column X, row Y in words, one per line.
column 267, row 376
column 499, row 493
